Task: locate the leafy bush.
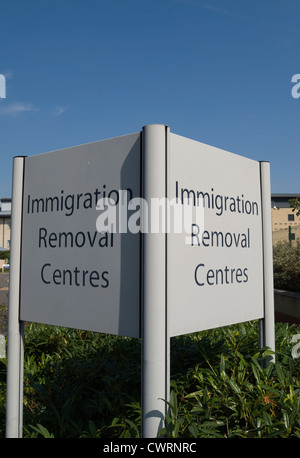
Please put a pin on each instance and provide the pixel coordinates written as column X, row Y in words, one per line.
column 286, row 262
column 84, row 384
column 236, row 396
column 78, row 379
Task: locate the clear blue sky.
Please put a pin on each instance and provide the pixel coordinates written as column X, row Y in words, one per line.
column 215, row 71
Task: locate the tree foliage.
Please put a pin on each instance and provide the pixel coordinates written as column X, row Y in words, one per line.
column 286, row 262
column 295, row 205
column 5, row 255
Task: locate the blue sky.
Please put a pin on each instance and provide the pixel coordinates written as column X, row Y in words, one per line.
column 216, row 71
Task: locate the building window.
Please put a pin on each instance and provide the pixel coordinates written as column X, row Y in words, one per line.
column 291, row 217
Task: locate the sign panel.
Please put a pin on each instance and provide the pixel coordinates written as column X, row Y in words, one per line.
column 72, row 274
column 216, row 266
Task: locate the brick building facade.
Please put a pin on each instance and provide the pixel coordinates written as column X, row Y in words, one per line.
column 285, row 223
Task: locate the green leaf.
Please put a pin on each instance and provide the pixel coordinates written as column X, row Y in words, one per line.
column 234, row 386
column 193, row 430
column 92, row 428
column 295, row 412
column 223, row 367
column 280, row 373
column 43, row 431
column 286, row 419
column 255, row 371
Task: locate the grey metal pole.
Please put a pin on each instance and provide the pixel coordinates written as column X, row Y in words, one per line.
column 155, row 335
column 267, row 324
column 14, row 394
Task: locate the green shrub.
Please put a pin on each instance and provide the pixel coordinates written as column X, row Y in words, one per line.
column 286, row 262
column 229, row 393
column 77, row 379
column 84, row 384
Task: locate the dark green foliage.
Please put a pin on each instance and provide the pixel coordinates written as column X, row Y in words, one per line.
column 229, row 393
column 84, row 384
column 78, row 379
column 5, row 255
column 286, row 261
column 295, row 205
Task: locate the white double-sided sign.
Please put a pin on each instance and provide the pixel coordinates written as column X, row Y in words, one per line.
column 148, row 235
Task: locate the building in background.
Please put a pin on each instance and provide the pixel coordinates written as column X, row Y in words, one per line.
column 285, row 222
column 5, row 219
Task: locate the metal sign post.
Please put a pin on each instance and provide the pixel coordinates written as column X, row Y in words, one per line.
column 15, row 348
column 155, row 334
column 267, row 323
